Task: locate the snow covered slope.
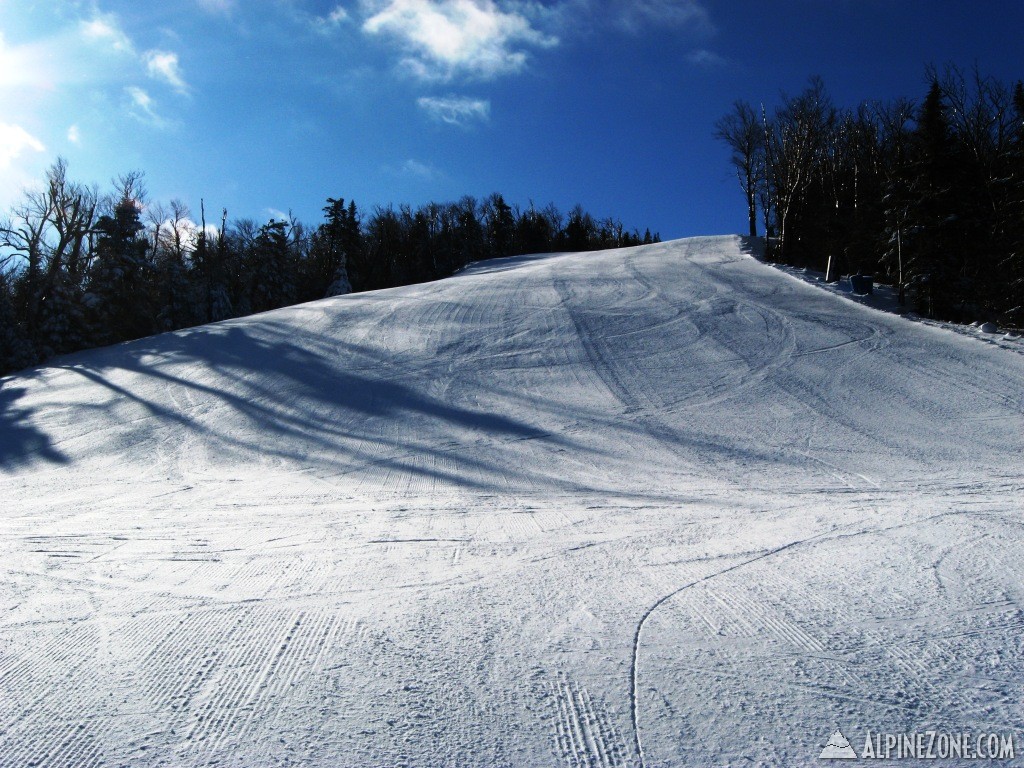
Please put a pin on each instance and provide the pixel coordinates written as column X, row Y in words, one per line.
column 658, row 506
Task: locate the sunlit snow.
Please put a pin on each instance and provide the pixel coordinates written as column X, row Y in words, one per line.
column 649, row 507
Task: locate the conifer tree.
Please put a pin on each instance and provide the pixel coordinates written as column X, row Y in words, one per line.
column 932, row 217
column 499, row 226
column 16, row 350
column 270, row 268
column 120, row 277
column 333, row 242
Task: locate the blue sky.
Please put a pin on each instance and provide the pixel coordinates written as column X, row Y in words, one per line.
column 262, row 106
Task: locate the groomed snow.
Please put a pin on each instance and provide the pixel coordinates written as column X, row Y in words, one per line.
column 659, row 506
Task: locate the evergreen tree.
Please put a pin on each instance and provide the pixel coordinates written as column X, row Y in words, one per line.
column 932, row 221
column 270, row 268
column 580, row 230
column 333, row 243
column 174, row 239
column 469, row 234
column 16, row 349
column 1013, row 285
column 120, row 278
column 499, row 226
column 533, row 231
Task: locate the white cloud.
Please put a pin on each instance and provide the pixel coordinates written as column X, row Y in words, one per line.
column 445, row 37
column 105, row 30
column 163, row 65
column 17, row 66
column 74, row 135
column 14, row 142
column 455, row 110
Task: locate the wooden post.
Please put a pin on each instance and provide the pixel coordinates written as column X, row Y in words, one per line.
column 899, row 257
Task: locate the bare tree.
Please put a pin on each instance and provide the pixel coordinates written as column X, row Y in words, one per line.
column 178, row 232
column 794, row 146
column 50, row 232
column 744, row 136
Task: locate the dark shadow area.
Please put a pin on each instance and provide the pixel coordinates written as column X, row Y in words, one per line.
column 753, row 246
column 311, row 404
column 506, row 263
column 334, row 406
column 20, row 442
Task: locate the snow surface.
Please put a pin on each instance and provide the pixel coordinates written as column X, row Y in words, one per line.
column 650, row 507
column 885, row 298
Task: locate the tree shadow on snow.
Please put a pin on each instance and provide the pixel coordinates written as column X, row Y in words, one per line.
column 264, row 392
column 20, row 442
column 276, row 390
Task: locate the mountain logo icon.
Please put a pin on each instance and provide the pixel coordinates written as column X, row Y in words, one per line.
column 837, row 748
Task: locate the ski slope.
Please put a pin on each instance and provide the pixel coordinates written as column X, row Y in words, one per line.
column 653, row 507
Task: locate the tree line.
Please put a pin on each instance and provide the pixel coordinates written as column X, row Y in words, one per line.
column 928, row 196
column 80, row 269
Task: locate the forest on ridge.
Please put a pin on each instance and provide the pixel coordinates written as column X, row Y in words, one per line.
column 81, row 269
column 928, row 197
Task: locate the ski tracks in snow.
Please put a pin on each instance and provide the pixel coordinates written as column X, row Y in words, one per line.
column 777, row 646
column 586, row 737
column 657, row 505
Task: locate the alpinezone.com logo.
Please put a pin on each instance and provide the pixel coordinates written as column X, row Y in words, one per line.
column 926, row 745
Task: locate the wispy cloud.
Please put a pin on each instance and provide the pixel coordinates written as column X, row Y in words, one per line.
column 164, row 65
column 20, row 163
column 338, row 15
column 105, row 29
column 331, row 21
column 143, row 108
column 443, row 38
column 217, row 6
column 14, row 142
column 83, row 53
column 74, row 134
column 637, row 16
column 413, row 169
column 702, row 57
column 455, row 110
column 96, row 53
column 324, row 23
column 419, row 170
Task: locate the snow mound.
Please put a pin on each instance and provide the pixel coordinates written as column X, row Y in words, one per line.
column 650, row 507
